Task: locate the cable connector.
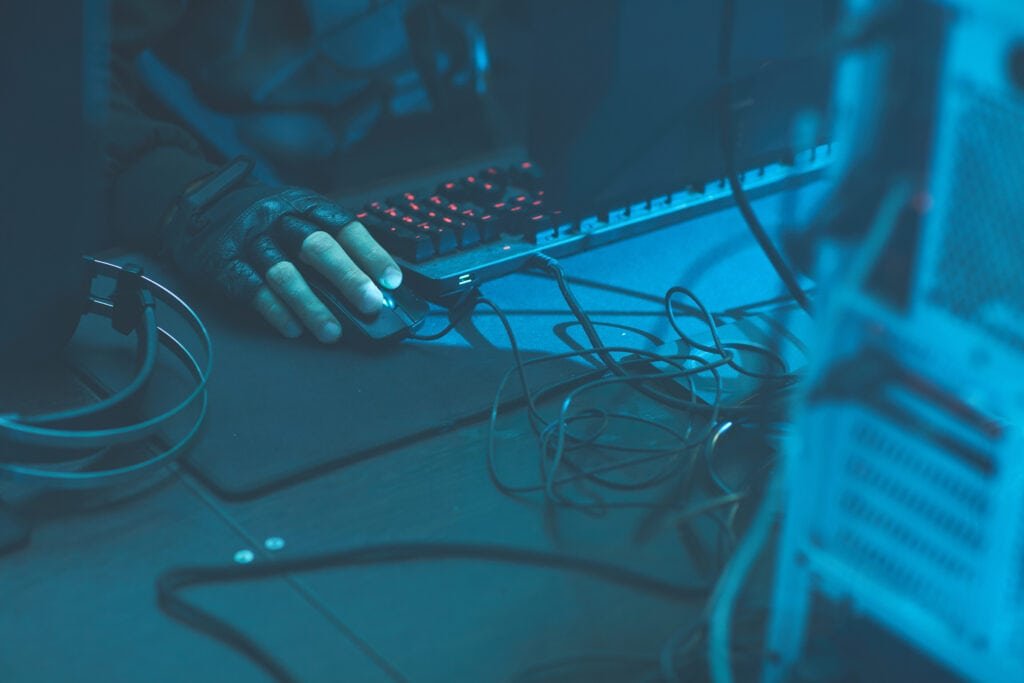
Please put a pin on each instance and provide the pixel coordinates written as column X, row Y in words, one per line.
column 544, row 262
column 131, row 297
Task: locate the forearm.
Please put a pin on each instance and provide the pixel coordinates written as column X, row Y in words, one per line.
column 149, row 163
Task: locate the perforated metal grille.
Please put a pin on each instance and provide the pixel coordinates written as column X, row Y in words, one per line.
column 980, row 276
column 909, row 516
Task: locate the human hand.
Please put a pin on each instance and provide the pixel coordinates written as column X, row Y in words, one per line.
column 241, row 239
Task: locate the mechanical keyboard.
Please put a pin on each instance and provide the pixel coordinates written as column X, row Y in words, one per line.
column 478, row 227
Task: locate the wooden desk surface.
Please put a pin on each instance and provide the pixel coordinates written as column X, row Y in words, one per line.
column 81, row 597
column 79, row 602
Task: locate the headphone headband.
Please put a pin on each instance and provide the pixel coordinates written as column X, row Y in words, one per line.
column 130, row 308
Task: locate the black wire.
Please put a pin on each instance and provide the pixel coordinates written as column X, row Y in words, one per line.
column 728, row 141
column 555, row 269
column 557, row 439
column 718, row 347
column 458, row 312
column 519, row 367
column 595, row 474
column 709, row 452
column 561, row 432
column 170, row 583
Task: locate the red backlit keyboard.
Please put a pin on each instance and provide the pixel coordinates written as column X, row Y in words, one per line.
column 481, row 226
column 463, row 214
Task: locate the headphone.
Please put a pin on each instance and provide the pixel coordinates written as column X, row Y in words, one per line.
column 63, row 447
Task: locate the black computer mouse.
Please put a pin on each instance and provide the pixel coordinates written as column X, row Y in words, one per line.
column 402, row 314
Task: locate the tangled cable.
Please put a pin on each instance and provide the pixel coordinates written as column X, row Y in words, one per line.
column 580, row 453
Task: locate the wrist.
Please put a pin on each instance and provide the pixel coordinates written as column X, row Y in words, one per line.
column 210, row 203
column 142, row 193
column 172, row 210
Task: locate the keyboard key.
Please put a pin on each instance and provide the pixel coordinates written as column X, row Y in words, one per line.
column 489, row 192
column 537, row 224
column 470, row 187
column 525, row 175
column 376, row 208
column 411, row 246
column 400, row 199
column 470, row 214
column 515, row 215
column 415, row 208
column 452, row 190
column 443, row 239
column 446, row 207
column 442, row 205
column 480, row 191
column 489, row 226
column 373, row 224
column 468, row 234
column 495, row 175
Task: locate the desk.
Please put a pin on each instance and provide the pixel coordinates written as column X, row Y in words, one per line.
column 78, row 603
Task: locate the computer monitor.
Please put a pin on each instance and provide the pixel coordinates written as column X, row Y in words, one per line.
column 627, row 97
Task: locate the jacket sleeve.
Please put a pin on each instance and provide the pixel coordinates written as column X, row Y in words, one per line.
column 149, row 162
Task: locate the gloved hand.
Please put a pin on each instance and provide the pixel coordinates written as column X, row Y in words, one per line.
column 239, row 238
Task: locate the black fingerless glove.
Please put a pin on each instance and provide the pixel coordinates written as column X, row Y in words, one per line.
column 225, row 233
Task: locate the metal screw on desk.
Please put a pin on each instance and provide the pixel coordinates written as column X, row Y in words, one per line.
column 244, row 556
column 274, row 543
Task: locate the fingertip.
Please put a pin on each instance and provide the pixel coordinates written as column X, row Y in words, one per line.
column 291, row 330
column 391, row 278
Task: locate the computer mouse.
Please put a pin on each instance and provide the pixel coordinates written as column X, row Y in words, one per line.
column 402, row 314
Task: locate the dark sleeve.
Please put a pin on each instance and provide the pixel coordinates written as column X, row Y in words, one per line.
column 149, row 162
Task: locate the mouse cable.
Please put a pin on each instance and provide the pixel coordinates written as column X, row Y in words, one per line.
column 170, row 583
column 457, row 312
